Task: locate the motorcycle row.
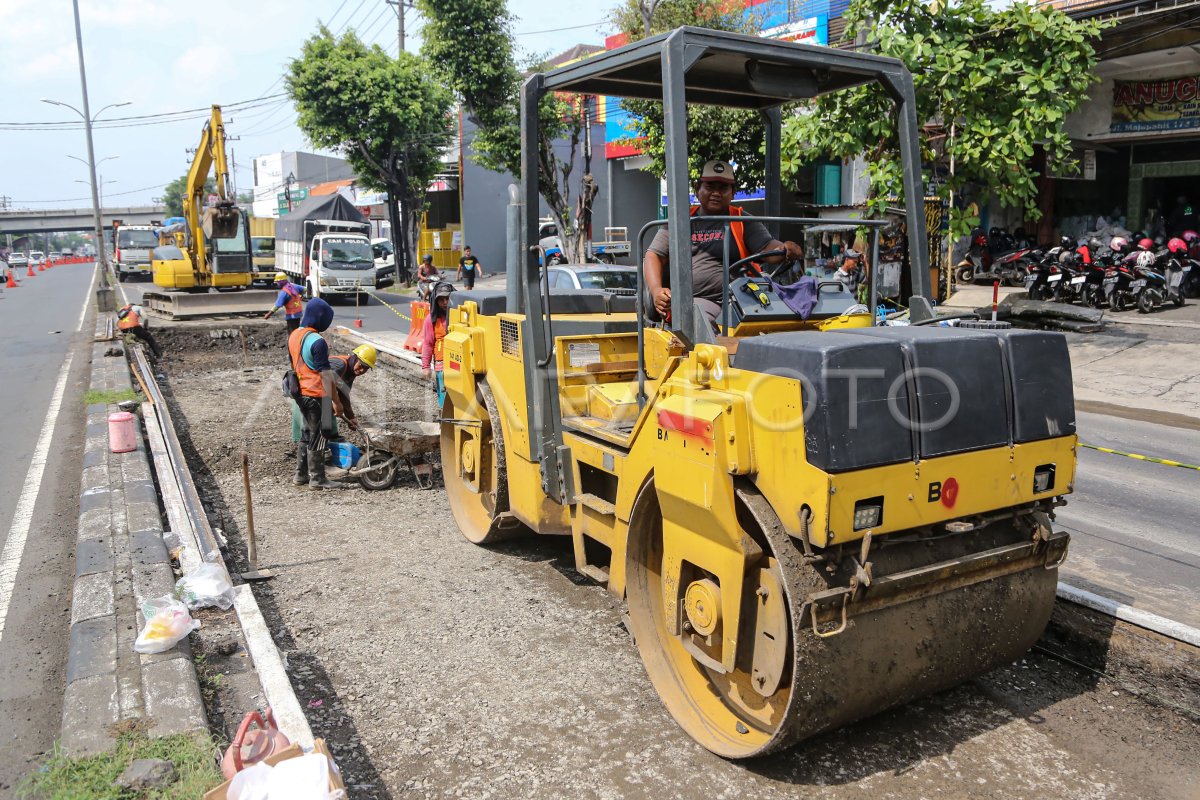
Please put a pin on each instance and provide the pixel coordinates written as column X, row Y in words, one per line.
column 1134, row 272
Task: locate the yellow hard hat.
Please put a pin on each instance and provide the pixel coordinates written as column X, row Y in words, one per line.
column 279, row 276
column 366, row 354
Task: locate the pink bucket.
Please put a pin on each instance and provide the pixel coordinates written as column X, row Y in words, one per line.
column 122, row 436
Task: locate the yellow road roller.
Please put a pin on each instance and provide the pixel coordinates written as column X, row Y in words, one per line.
column 812, row 517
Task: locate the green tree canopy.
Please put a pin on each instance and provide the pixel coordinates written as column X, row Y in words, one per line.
column 992, row 84
column 469, row 42
column 389, row 117
column 174, row 192
column 713, row 131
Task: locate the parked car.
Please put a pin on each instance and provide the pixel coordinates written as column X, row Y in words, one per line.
column 3, row 271
column 614, row 280
column 37, row 258
column 385, row 262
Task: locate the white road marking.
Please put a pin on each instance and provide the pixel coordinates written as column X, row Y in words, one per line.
column 14, row 545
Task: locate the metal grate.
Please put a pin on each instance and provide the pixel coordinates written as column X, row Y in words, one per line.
column 510, row 338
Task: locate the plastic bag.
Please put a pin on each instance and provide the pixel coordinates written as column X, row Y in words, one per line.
column 167, row 622
column 206, row 585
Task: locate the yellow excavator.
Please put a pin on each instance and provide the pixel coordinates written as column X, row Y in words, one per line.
column 812, row 517
column 215, row 251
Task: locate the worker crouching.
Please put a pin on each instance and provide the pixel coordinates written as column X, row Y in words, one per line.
column 317, row 395
column 345, row 370
column 131, row 319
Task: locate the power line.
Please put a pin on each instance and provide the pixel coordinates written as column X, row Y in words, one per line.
column 141, row 119
column 558, row 30
column 89, row 197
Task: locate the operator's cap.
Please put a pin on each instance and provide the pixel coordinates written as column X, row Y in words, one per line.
column 443, row 289
column 717, row 170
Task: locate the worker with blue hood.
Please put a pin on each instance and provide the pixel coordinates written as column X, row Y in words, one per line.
column 315, row 393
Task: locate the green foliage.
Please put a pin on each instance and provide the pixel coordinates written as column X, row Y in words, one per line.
column 93, row 777
column 469, row 43
column 713, row 131
column 174, row 192
column 389, row 117
column 991, row 83
column 108, row 397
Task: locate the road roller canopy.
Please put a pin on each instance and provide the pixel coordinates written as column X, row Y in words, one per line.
column 695, row 65
column 726, row 69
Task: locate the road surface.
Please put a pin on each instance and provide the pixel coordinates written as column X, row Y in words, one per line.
column 44, row 369
column 1133, row 522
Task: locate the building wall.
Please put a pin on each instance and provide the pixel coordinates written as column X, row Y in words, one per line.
column 485, row 198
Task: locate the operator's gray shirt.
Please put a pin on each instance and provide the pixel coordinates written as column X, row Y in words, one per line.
column 708, row 247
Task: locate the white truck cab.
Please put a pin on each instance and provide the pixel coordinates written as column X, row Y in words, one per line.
column 132, row 247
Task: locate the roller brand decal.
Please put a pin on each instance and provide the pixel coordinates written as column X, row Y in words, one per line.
column 945, row 491
column 700, row 430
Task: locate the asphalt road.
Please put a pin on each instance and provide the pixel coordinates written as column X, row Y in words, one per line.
column 39, row 333
column 1129, row 519
column 1133, row 522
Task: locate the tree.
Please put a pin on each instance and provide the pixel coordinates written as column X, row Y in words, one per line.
column 387, row 116
column 469, row 43
column 992, row 84
column 176, row 190
column 729, row 134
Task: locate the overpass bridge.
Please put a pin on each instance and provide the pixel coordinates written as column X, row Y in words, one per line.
column 75, row 219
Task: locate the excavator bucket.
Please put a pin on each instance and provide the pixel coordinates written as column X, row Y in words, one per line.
column 221, row 221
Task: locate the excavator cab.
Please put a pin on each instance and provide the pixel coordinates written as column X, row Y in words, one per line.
column 811, row 519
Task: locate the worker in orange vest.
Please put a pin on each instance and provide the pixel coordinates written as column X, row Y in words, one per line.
column 317, row 396
column 290, row 300
column 433, row 333
column 132, row 319
column 714, row 192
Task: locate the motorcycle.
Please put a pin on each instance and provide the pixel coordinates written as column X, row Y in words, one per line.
column 998, row 257
column 1176, row 273
column 1044, row 274
column 1118, row 280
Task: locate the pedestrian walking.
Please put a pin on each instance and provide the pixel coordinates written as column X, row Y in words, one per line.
column 132, row 319
column 317, row 396
column 469, row 269
column 290, row 299
column 436, row 325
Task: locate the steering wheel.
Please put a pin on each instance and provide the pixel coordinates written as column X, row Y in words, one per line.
column 741, row 267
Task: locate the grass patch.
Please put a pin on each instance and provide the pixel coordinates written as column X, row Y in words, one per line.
column 64, row 778
column 95, row 396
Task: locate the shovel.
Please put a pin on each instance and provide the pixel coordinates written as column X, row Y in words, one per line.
column 255, row 574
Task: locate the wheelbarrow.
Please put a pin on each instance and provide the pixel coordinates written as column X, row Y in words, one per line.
column 389, row 446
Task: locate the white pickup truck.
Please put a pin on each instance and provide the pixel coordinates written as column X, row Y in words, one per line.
column 614, row 245
column 330, row 258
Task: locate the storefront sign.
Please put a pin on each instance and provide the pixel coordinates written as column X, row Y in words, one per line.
column 811, row 30
column 1167, row 105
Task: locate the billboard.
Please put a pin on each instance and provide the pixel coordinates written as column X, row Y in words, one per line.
column 1170, row 104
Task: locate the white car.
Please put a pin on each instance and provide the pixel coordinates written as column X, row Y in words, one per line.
column 3, row 271
column 611, row 279
column 385, row 262
column 37, row 258
column 17, row 260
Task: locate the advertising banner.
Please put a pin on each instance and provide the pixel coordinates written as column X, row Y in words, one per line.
column 1170, row 104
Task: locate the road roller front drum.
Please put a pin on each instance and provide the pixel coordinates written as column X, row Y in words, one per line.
column 939, row 611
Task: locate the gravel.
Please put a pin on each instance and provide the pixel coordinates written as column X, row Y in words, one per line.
column 436, row 668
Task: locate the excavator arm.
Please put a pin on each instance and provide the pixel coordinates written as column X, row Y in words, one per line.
column 220, row 221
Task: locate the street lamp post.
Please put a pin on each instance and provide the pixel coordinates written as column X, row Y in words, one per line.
column 86, row 114
column 101, row 182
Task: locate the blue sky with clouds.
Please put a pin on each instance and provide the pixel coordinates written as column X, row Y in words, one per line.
column 165, row 57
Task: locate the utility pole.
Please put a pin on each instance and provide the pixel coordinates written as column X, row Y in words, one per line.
column 87, row 126
column 401, row 6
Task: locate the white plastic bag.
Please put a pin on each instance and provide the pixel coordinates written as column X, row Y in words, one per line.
column 206, row 585
column 167, row 622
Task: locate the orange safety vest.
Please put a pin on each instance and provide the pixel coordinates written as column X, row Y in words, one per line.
column 439, row 334
column 310, row 379
column 292, row 306
column 129, row 321
column 738, row 230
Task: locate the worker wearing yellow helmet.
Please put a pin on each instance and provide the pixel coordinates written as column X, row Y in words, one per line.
column 289, row 299
column 345, row 370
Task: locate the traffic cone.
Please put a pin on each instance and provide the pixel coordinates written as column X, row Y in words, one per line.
column 12, row 282
column 42, row 266
column 30, row 275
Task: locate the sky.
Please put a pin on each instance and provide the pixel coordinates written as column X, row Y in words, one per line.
column 165, row 57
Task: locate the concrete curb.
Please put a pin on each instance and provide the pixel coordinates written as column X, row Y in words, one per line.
column 120, row 560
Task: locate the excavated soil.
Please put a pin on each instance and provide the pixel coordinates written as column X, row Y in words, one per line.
column 436, row 668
